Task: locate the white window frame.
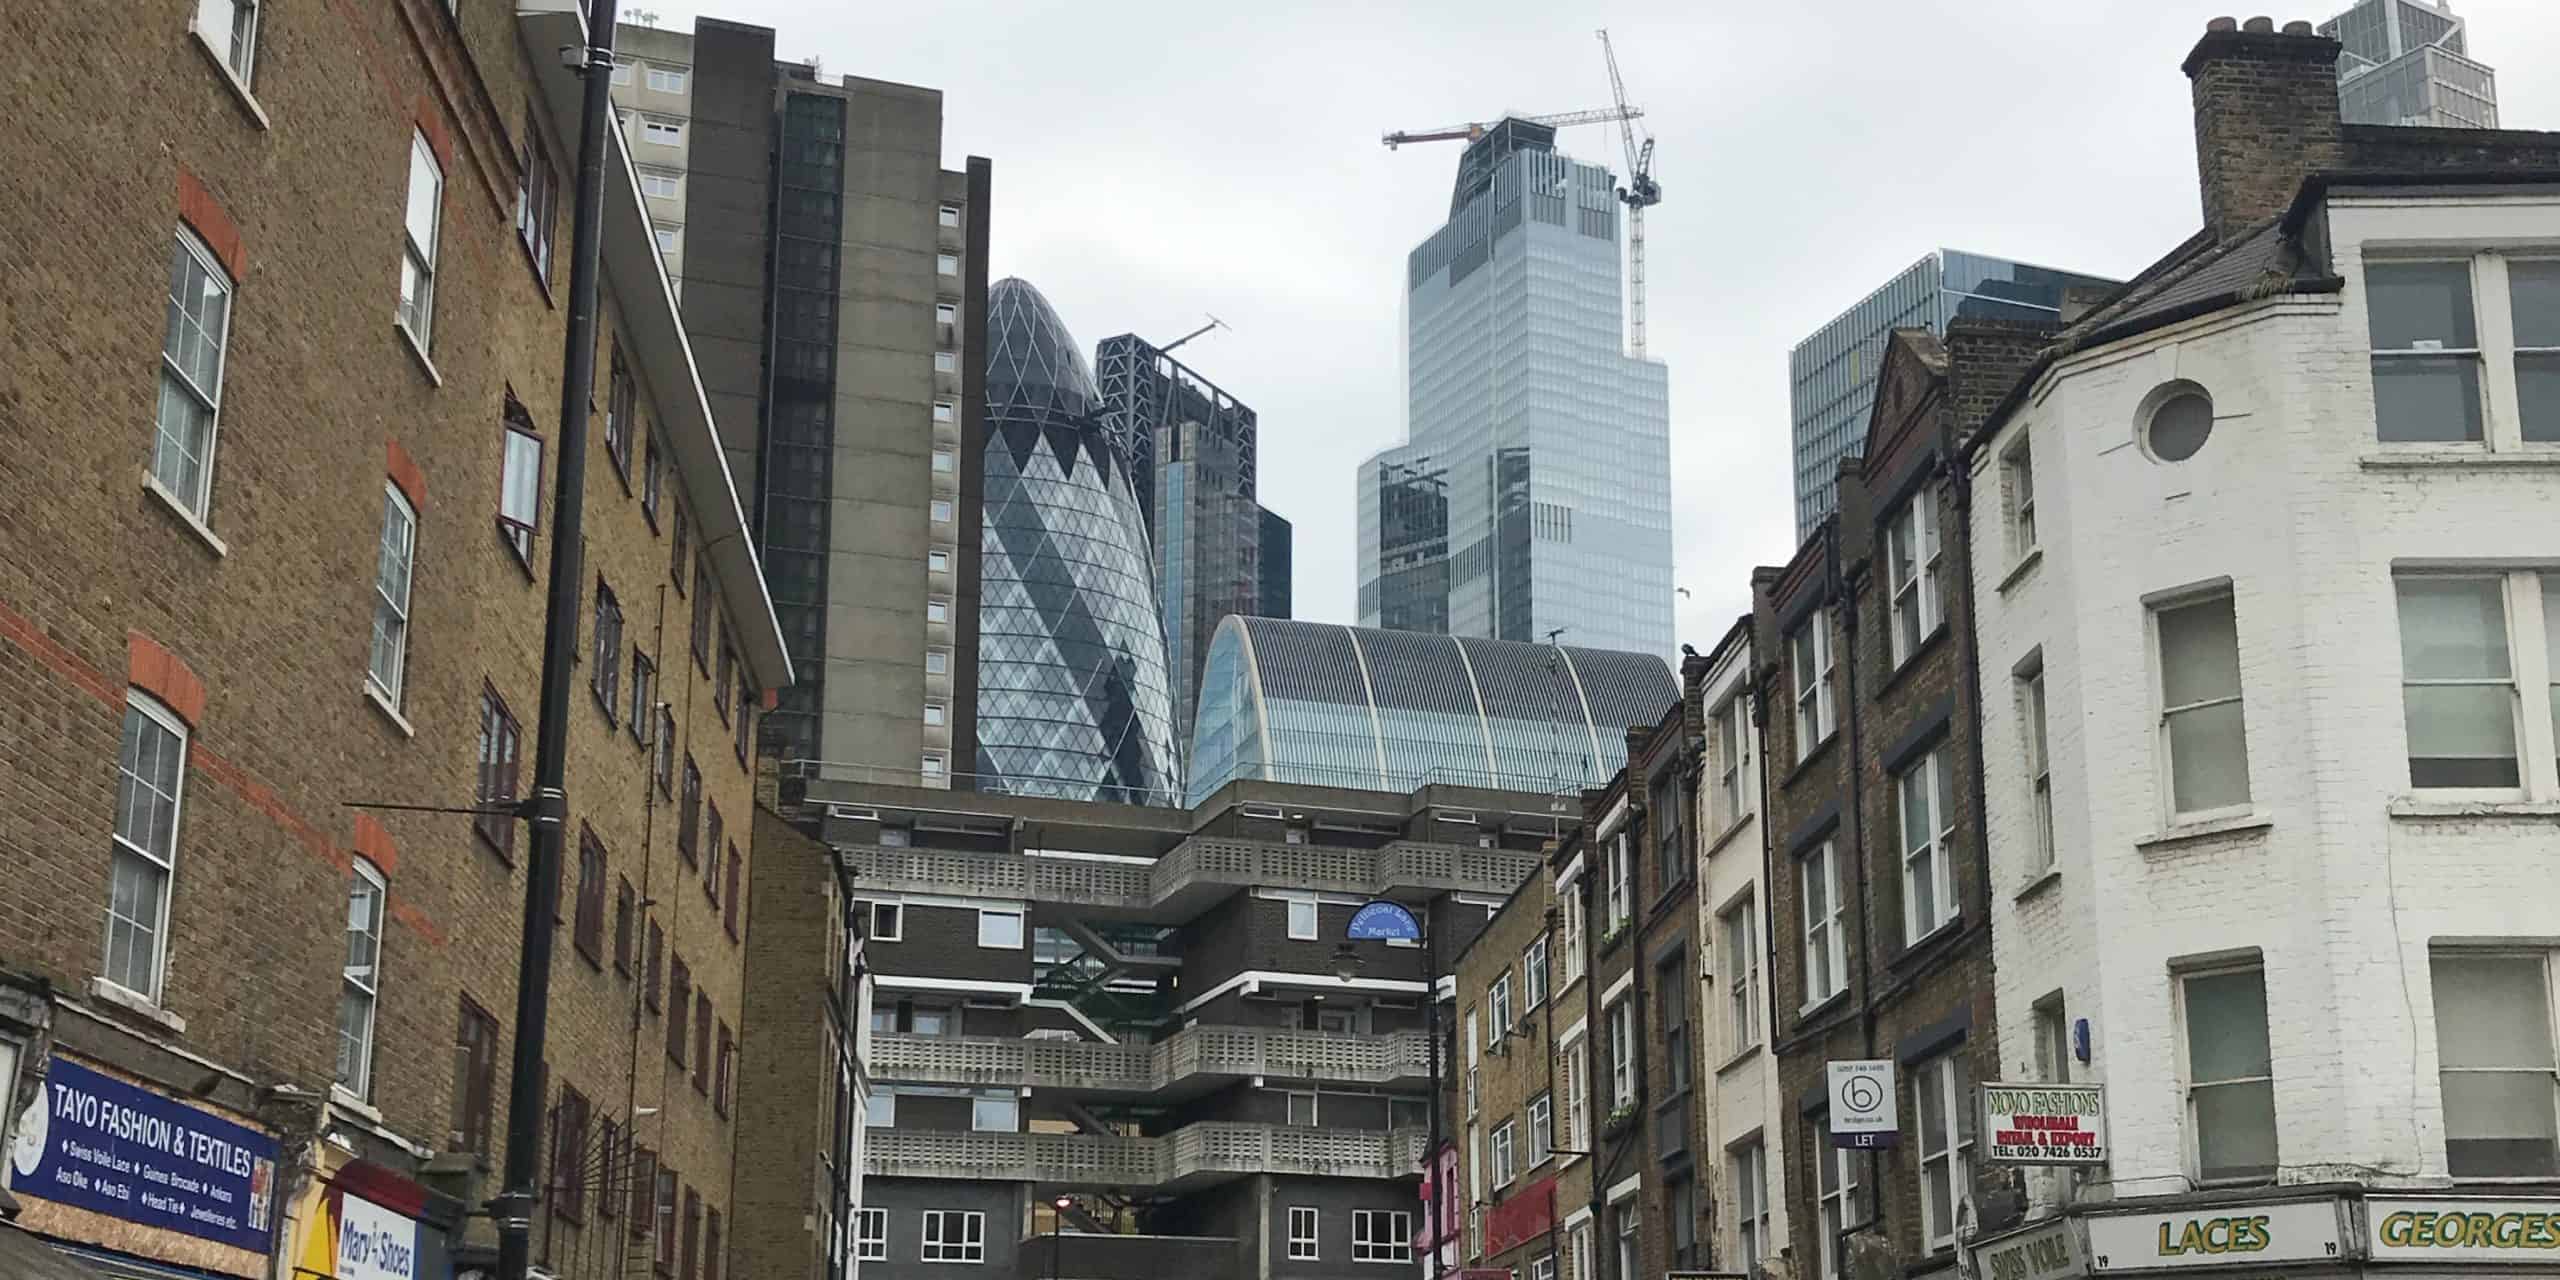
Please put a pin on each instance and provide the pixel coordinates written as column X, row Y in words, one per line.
column 670, row 237
column 937, row 662
column 939, row 510
column 360, row 988
column 2168, row 717
column 1290, row 1102
column 1497, row 1007
column 2051, row 1030
column 933, row 766
column 175, row 379
column 946, row 462
column 940, row 1244
column 1733, row 763
column 1622, row 1041
column 1569, row 924
column 871, row 1235
column 946, row 362
column 416, row 312
column 651, row 127
column 998, row 1112
column 1826, row 951
column 1912, row 563
column 1542, row 1119
column 945, row 411
column 1505, row 1152
column 1738, row 936
column 2018, row 496
column 946, row 313
column 937, row 610
column 2188, row 1085
column 1750, row 1182
column 2546, row 1071
column 948, row 215
column 2036, row 747
column 1306, row 1240
column 1382, row 1235
column 1533, row 975
column 663, row 79
column 895, row 916
column 1574, row 1072
column 937, row 562
column 673, row 182
column 1933, row 857
column 387, row 660
column 1618, row 870
column 235, row 41
column 1304, row 920
column 1020, row 928
column 623, row 75
column 1949, row 1078
column 1809, row 653
column 880, row 1110
column 162, row 865
column 947, row 264
column 936, row 715
column 2495, row 357
column 2530, row 599
column 1836, row 1190
column 1543, row 1267
column 520, row 489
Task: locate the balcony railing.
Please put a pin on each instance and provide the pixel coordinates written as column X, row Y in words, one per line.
column 1193, row 1154
column 1201, row 862
column 1148, row 1068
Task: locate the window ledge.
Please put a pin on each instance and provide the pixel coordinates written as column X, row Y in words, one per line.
column 2180, row 834
column 1717, row 845
column 1805, row 764
column 341, row 1100
column 2018, row 571
column 418, row 351
column 2042, row 881
column 1817, row 1008
column 2529, row 456
column 1928, row 942
column 230, row 79
column 151, row 485
column 382, row 702
column 2421, row 808
column 1911, row 661
column 137, row 1004
column 1748, row 1053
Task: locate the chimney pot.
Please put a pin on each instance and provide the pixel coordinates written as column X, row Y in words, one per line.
column 2222, row 24
column 2259, row 26
column 2266, row 116
column 2298, row 27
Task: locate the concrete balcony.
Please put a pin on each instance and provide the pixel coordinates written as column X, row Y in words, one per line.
column 1188, row 1062
column 1194, row 1155
column 1196, row 873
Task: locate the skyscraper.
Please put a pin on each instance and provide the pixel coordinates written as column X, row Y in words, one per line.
column 833, row 281
column 1532, row 492
column 1278, row 593
column 1073, row 697
column 1832, row 373
column 2406, row 62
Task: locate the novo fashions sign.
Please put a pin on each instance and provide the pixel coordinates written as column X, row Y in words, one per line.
column 2044, row 1123
column 97, row 1143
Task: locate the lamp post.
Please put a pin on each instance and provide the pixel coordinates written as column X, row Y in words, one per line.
column 1382, row 920
column 1057, row 1223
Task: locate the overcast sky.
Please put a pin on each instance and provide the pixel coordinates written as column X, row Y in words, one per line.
column 1156, row 160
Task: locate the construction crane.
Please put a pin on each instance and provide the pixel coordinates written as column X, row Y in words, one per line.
column 1476, row 129
column 1640, row 193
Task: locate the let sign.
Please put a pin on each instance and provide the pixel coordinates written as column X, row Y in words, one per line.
column 2044, row 1123
column 1862, row 1104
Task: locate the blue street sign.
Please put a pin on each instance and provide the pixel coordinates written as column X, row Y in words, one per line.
column 1383, row 921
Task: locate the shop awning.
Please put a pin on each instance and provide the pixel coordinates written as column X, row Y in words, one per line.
column 25, row 1257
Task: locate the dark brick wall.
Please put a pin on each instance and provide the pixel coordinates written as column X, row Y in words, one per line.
column 2266, row 114
column 1247, row 933
column 1005, row 1204
column 942, row 942
column 786, row 1102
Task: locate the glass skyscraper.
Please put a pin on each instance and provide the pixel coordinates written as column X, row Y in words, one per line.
column 1073, row 699
column 2406, row 62
column 1533, row 491
column 1832, row 374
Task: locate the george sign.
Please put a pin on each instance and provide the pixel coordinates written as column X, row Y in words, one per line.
column 97, row 1143
column 2044, row 1123
column 1524, row 1216
column 2441, row 1229
column 2226, row 1236
column 1862, row 1104
column 1383, row 921
column 2048, row 1252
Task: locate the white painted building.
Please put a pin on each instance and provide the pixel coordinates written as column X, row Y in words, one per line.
column 2268, row 571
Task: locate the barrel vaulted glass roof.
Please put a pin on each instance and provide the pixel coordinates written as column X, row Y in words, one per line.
column 1330, row 705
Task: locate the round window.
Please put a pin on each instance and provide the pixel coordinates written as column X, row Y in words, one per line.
column 2179, row 422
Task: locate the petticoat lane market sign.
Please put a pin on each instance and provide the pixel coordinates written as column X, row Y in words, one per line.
column 2045, row 1123
column 97, row 1143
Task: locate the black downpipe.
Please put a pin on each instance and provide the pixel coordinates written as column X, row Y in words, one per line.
column 547, row 809
column 1439, row 1095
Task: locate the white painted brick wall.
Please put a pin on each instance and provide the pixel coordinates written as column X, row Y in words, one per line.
column 2342, row 897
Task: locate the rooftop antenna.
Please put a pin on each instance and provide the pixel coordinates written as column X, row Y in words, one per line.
column 1214, row 323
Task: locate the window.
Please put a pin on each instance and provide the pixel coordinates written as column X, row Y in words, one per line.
column 1542, row 1117
column 871, row 1235
column 995, row 1113
column 2178, row 420
column 656, row 949
column 1381, row 1235
column 644, row 677
column 1826, row 967
column 2052, row 1041
column 1912, row 573
column 1302, row 918
column 937, row 562
column 689, row 814
column 587, row 931
column 1569, row 924
column 929, row 1021
column 711, row 1245
column 701, row 1040
column 702, row 604
column 945, row 411
column 742, row 723
column 626, row 906
column 679, row 998
column 1533, row 975
column 724, row 675
column 1945, row 1093
column 605, row 664
column 666, row 79
column 1750, row 1173
column 2039, row 762
column 520, row 492
column 1497, row 1011
column 1575, row 1083
column 191, row 357
column 1001, row 929
column 945, row 462
column 660, row 185
column 729, row 904
column 1629, row 1257
column 1670, row 853
column 665, row 133
column 678, row 544
column 1811, row 649
column 1618, row 870
column 230, row 29
column 1738, row 928
column 713, row 832
column 360, row 986
column 1302, row 1218
column 1733, row 762
column 692, row 1231
column 417, row 311
column 538, row 200
column 945, row 313
column 945, row 362
column 948, row 215
column 569, row 1120
column 621, row 414
column 396, row 556
column 1504, row 1170
column 947, row 263
column 1300, row 1110
column 1925, row 796
column 150, row 784
column 663, row 1214
column 1671, row 1017
column 652, row 479
column 622, row 73
column 1543, row 1268
column 933, row 765
column 500, row 740
column 941, row 510
column 936, row 662
column 2201, row 724
column 663, row 748
column 887, row 921
column 2458, row 680
column 937, row 611
column 1578, row 1246
column 951, row 1235
column 936, row 715
column 2231, row 1098
column 2426, row 351
column 2534, row 292
column 475, row 1071
column 2018, row 491
column 882, row 1113
column 1622, row 1055
column 2496, row 1065
column 1842, row 1205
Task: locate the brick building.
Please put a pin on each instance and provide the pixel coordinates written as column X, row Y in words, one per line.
column 276, row 547
column 2268, row 577
column 1521, row 1125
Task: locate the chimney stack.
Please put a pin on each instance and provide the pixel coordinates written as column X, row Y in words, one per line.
column 2266, row 118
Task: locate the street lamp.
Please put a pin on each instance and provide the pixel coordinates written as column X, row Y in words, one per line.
column 1057, row 1221
column 1382, row 920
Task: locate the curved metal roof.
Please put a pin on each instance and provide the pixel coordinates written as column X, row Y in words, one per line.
column 1335, row 705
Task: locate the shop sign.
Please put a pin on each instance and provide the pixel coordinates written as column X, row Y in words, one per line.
column 2045, row 1123
column 1862, row 1104
column 2049, row 1252
column 2218, row 1236
column 97, row 1143
column 2450, row 1230
column 1525, row 1216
